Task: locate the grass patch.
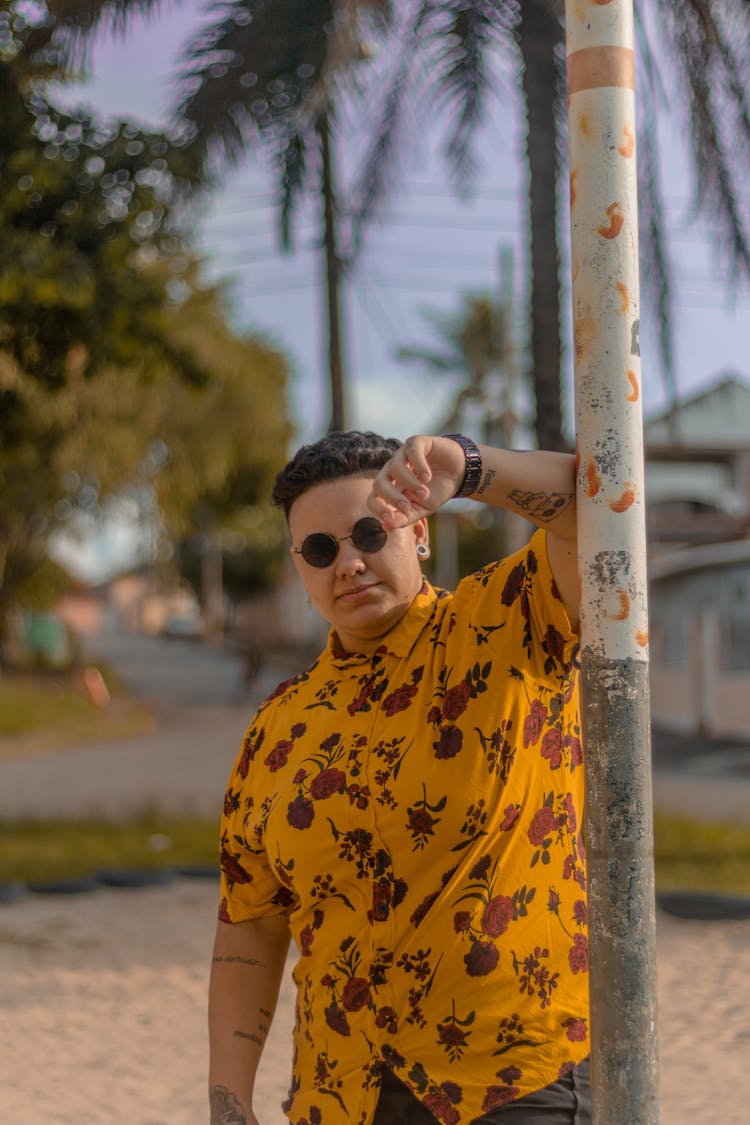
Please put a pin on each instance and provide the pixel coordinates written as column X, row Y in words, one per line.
column 701, row 857
column 46, row 712
column 37, row 851
column 689, row 855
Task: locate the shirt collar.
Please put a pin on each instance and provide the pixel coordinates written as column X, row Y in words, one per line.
column 400, row 640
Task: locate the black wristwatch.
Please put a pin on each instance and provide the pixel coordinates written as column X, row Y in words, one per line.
column 473, row 472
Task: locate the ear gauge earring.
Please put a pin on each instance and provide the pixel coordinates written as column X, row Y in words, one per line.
column 423, row 550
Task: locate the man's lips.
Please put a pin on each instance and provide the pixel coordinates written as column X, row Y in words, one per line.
column 355, row 592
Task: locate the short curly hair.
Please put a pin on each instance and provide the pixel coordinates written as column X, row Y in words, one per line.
column 342, row 453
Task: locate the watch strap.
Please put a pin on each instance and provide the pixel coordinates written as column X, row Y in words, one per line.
column 473, row 461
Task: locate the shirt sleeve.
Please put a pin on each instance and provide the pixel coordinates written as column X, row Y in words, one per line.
column 519, row 599
column 250, row 888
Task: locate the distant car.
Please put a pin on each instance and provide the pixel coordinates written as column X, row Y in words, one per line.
column 183, row 628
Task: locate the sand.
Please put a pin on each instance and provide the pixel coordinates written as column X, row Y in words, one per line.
column 102, row 1013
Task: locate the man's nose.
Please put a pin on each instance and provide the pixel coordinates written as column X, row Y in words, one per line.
column 349, row 560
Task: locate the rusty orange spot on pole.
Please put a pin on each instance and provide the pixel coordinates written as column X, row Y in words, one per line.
column 624, row 611
column 602, row 3
column 622, row 289
column 584, row 124
column 616, row 219
column 628, row 148
column 593, row 480
column 584, row 333
column 641, row 636
column 573, row 175
column 635, row 391
column 626, row 499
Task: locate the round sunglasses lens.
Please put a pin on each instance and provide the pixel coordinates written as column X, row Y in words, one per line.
column 319, row 549
column 368, row 534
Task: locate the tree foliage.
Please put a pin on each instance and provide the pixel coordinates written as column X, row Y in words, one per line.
column 110, row 347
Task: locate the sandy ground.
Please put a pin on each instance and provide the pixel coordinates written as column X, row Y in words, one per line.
column 102, row 1012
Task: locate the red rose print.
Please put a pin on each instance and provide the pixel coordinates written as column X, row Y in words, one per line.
column 580, row 912
column 570, row 812
column 399, row 699
column 423, row 907
column 554, row 643
column 223, row 911
column 421, row 823
column 300, row 813
column 441, row 1107
column 300, row 776
column 576, row 752
column 451, row 1035
column 336, row 1020
column 233, row 869
column 451, row 741
column 513, row 584
column 552, row 748
column 534, row 722
column 509, row 1075
column 381, row 902
column 305, row 941
column 498, row 913
column 278, row 756
column 569, row 866
column 481, row 867
column 576, row 1030
column 386, row 1018
column 497, row 1096
column 327, row 783
column 298, row 730
column 481, row 959
column 542, row 824
column 510, row 818
column 578, row 954
column 356, row 994
column 456, row 700
column 316, row 1115
column 434, row 715
column 461, row 921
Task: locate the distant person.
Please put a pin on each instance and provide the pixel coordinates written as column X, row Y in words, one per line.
column 408, row 809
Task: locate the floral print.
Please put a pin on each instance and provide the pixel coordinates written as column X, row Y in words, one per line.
column 416, row 815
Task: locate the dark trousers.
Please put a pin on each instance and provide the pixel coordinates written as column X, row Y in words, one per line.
column 565, row 1102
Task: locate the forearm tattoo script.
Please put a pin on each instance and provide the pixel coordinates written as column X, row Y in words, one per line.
column 541, row 506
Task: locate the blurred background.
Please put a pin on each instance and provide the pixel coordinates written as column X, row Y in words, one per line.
column 228, row 228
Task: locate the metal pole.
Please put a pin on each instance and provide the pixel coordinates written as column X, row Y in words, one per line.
column 612, row 537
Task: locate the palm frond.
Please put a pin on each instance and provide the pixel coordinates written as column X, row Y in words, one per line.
column 247, row 75
column 708, row 44
column 379, row 161
column 77, row 20
column 462, row 43
column 292, row 160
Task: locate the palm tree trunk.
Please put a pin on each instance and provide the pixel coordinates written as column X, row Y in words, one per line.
column 333, row 277
column 539, row 33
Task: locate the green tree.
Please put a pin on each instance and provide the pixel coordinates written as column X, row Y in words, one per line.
column 107, row 340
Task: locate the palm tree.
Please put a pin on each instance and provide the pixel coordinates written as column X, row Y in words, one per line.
column 446, row 57
column 268, row 73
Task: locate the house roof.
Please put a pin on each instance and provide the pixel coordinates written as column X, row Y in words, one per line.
column 715, row 418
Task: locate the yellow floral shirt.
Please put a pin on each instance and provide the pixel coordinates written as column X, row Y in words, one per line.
column 416, row 814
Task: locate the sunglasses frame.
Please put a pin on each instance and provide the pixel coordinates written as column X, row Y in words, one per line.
column 334, row 542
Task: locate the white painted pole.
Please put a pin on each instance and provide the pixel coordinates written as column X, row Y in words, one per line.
column 612, row 538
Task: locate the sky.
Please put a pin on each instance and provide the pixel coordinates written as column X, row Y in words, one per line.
column 427, row 248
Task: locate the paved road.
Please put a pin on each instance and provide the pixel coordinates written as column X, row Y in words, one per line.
column 203, row 708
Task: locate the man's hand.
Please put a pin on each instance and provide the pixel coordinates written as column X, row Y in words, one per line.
column 421, row 476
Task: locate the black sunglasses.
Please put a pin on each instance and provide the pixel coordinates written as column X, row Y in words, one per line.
column 320, row 549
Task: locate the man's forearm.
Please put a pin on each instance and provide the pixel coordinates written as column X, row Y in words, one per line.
column 538, row 485
column 248, row 963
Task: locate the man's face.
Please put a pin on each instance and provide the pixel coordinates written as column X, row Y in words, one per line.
column 362, row 595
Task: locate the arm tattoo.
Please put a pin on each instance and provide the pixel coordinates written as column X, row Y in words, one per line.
column 488, row 476
column 231, row 959
column 541, row 506
column 226, row 1109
